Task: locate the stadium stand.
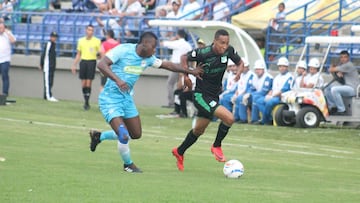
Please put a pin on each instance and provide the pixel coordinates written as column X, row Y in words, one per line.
column 312, row 18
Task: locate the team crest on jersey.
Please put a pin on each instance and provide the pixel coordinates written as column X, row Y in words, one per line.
column 143, row 63
column 224, row 59
column 212, row 103
column 193, row 53
column 266, row 83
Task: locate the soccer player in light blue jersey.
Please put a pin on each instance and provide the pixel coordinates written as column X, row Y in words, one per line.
column 123, row 66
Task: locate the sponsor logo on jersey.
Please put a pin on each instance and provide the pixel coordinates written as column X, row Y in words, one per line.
column 137, row 70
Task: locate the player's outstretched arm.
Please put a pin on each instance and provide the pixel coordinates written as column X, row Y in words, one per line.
column 198, row 71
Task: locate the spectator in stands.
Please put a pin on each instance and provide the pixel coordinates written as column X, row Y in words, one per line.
column 313, row 78
column 261, row 44
column 300, row 76
column 165, row 5
column 103, row 4
column 56, row 4
column 6, row 39
column 120, row 5
column 113, row 24
column 48, row 66
column 6, row 8
column 281, row 83
column 276, row 26
column 192, row 10
column 262, row 84
column 149, row 5
column 179, row 47
column 106, row 46
column 131, row 25
column 87, row 50
column 335, row 91
column 175, row 13
column 220, row 11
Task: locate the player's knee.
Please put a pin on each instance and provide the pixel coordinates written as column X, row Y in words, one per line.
column 229, row 120
column 136, row 135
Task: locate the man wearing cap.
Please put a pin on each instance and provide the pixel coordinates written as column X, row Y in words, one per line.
column 281, row 83
column 48, row 66
column 261, row 85
column 301, row 75
column 314, row 78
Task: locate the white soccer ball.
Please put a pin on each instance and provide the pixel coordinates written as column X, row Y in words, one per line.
column 233, row 169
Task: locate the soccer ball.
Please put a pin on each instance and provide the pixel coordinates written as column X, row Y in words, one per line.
column 233, row 169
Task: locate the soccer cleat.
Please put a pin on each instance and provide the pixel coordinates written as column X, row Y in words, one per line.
column 86, row 107
column 217, row 151
column 94, row 139
column 179, row 158
column 131, row 168
column 52, row 99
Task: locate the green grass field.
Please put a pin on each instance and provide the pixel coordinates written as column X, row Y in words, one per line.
column 46, row 147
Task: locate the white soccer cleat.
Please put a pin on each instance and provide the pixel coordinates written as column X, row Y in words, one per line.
column 52, row 99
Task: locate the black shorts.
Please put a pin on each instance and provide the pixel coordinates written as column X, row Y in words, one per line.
column 87, row 69
column 206, row 105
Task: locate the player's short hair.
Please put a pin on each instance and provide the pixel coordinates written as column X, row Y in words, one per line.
column 221, row 32
column 182, row 33
column 110, row 33
column 147, row 34
column 90, row 25
column 344, row 52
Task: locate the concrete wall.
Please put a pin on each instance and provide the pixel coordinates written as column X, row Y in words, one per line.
column 26, row 80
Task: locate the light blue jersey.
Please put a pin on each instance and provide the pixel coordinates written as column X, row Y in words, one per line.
column 128, row 66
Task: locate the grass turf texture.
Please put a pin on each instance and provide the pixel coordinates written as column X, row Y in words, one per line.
column 46, row 146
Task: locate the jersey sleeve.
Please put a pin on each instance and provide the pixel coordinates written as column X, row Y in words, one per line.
column 79, row 45
column 157, row 63
column 115, row 54
column 234, row 56
column 194, row 55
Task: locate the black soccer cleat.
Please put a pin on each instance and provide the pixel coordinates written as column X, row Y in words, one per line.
column 132, row 168
column 94, row 139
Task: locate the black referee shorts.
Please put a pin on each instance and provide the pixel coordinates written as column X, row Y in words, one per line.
column 87, row 69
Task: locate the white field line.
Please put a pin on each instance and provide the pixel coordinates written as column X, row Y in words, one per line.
column 206, row 141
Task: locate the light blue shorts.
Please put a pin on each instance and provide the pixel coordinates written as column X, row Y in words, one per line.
column 117, row 105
